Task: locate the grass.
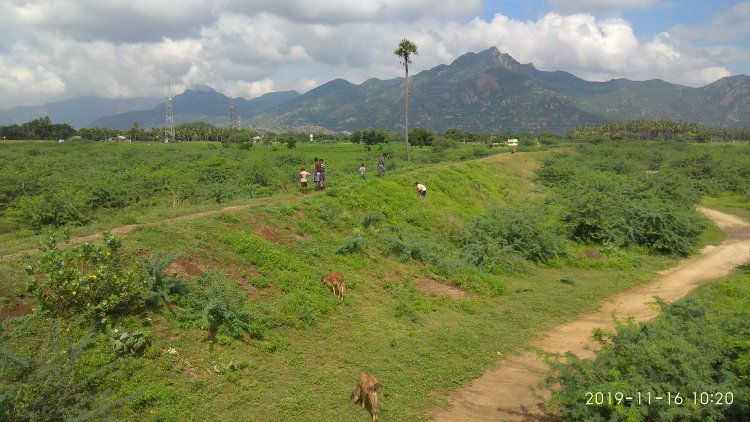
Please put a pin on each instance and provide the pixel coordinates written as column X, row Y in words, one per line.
column 733, row 204
column 150, row 174
column 305, row 359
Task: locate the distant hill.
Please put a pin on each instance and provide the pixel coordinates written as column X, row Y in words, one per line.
column 78, row 112
column 198, row 104
column 490, row 91
column 487, row 91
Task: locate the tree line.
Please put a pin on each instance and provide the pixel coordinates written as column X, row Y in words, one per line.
column 658, row 130
column 41, row 128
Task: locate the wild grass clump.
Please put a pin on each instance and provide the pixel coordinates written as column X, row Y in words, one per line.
column 410, row 302
column 405, row 248
column 372, row 219
column 356, row 244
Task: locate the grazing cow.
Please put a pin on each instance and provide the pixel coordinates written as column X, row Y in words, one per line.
column 336, row 281
column 367, row 392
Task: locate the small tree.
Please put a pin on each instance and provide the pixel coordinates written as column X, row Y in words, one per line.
column 422, row 137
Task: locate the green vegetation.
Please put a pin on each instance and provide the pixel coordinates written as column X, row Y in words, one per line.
column 49, row 185
column 696, row 356
column 661, row 130
column 223, row 314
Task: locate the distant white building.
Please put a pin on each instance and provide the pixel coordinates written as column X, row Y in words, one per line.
column 512, row 142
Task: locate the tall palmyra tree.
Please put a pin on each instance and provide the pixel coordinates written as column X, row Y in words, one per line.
column 404, row 51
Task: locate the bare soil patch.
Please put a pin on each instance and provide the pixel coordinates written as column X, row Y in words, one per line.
column 435, row 287
column 505, row 393
column 183, row 268
column 267, row 233
column 16, row 307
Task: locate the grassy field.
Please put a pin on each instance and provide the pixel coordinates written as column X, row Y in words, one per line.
column 95, row 186
column 416, row 315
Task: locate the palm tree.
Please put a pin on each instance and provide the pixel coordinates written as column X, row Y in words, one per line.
column 404, row 51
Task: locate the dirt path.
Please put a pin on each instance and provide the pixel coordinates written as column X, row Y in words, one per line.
column 130, row 227
column 504, row 393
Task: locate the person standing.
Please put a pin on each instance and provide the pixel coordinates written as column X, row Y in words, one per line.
column 362, row 171
column 421, row 189
column 381, row 165
column 316, row 178
column 303, row 174
column 322, row 174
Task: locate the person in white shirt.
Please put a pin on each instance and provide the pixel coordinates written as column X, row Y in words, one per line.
column 421, row 189
column 303, row 174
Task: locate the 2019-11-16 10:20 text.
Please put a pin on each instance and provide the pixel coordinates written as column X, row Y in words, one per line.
column 702, row 398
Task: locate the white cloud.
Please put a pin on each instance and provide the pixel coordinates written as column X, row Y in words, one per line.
column 32, row 83
column 610, row 7
column 305, row 84
column 112, row 20
column 59, row 49
column 337, row 12
column 730, row 24
column 249, row 89
column 589, row 48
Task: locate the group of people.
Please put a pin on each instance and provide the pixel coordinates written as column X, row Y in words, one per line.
column 319, row 178
column 381, row 168
column 320, row 175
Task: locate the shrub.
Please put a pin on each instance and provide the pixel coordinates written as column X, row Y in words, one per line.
column 685, row 351
column 521, row 230
column 56, row 384
column 159, row 285
column 355, row 244
column 372, row 219
column 223, row 313
column 49, row 210
column 124, row 343
column 89, row 280
column 405, row 248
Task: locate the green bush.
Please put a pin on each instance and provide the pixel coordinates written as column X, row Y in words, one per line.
column 89, row 280
column 606, row 196
column 356, row 244
column 159, row 285
column 521, row 230
column 405, row 248
column 372, row 219
column 124, row 343
column 55, row 210
column 223, row 311
column 686, row 351
column 57, row 383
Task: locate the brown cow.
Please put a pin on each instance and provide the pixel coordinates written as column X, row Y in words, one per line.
column 336, row 281
column 367, row 391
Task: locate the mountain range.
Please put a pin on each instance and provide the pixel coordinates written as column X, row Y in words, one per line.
column 78, row 112
column 487, row 91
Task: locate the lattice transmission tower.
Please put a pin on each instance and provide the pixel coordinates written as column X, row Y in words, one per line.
column 169, row 120
column 234, row 120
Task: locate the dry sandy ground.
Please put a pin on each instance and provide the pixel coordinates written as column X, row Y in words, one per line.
column 505, row 393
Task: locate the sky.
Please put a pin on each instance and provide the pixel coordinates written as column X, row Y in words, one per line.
column 53, row 50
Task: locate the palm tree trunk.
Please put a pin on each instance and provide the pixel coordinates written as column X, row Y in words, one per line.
column 406, row 115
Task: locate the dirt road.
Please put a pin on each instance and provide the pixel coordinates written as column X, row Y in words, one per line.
column 504, row 393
